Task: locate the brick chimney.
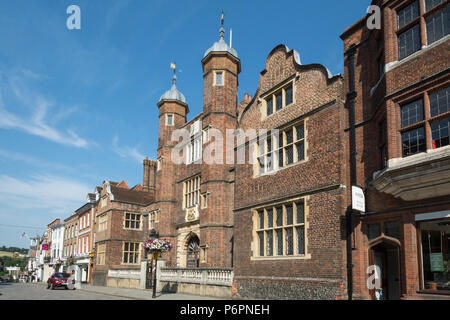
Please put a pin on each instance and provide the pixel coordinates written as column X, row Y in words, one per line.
column 243, row 104
column 149, row 182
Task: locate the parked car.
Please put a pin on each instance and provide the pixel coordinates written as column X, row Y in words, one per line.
column 59, row 279
column 4, row 279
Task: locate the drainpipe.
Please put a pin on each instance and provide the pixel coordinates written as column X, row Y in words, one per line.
column 351, row 96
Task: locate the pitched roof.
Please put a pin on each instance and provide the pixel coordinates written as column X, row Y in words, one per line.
column 137, row 187
column 132, row 196
column 123, row 184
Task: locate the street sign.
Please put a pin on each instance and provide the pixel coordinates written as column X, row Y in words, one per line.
column 358, row 199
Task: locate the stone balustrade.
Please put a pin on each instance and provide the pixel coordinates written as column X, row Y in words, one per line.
column 204, row 276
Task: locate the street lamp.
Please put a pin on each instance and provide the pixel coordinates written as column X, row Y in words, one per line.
column 154, row 235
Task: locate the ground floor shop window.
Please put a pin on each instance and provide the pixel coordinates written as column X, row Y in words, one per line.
column 435, row 236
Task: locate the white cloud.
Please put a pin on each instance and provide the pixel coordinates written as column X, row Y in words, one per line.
column 126, row 151
column 38, row 107
column 54, row 193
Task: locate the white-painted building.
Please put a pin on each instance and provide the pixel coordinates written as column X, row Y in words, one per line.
column 56, row 255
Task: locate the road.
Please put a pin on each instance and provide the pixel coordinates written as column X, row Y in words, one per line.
column 39, row 291
column 27, row 291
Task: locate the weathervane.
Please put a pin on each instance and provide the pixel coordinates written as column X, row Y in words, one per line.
column 222, row 30
column 174, row 67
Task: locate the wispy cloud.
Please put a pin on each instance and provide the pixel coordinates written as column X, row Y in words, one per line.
column 38, row 106
column 54, row 193
column 127, row 152
column 32, row 161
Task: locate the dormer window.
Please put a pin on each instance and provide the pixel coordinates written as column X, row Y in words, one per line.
column 218, row 78
column 279, row 99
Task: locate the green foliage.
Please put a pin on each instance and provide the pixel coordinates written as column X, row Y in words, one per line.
column 14, row 249
column 13, row 262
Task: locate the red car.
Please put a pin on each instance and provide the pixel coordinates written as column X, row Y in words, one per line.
column 59, row 279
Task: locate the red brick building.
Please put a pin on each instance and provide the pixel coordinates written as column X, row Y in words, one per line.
column 120, row 229
column 397, row 77
column 289, row 205
column 194, row 201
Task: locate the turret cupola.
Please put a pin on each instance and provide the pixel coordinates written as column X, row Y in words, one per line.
column 173, row 93
column 221, row 45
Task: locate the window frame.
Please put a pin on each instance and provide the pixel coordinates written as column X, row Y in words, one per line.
column 130, row 220
column 137, row 249
column 274, row 229
column 427, row 121
column 191, row 192
column 153, row 219
column 103, row 222
column 421, row 20
column 194, row 149
column 272, row 96
column 222, row 72
column 167, row 119
column 101, row 254
column 277, row 150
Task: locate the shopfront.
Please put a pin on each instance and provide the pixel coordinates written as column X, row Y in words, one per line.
column 434, row 234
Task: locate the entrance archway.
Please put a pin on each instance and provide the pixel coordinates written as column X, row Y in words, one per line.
column 385, row 254
column 193, row 252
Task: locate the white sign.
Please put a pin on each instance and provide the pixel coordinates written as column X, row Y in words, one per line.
column 358, row 199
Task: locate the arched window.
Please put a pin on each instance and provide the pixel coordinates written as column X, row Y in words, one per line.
column 193, row 252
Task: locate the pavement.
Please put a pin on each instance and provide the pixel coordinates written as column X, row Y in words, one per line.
column 39, row 291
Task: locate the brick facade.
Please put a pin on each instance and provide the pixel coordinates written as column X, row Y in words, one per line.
column 113, row 233
column 379, row 98
column 318, row 101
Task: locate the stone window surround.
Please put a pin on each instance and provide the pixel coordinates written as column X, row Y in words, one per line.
column 101, row 254
column 167, row 119
column 159, row 163
column 135, row 220
column 186, row 193
column 205, row 134
column 138, row 260
column 103, row 222
column 204, row 199
column 273, row 91
column 256, row 173
column 215, row 84
column 255, row 241
column 153, row 218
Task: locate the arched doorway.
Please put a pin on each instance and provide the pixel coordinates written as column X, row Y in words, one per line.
column 193, row 252
column 385, row 255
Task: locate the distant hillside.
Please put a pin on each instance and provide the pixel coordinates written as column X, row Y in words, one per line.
column 6, row 254
column 13, row 249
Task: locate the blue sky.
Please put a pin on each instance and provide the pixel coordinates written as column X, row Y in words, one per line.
column 78, row 107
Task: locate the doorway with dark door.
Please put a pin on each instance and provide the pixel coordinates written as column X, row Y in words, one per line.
column 193, row 252
column 386, row 257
